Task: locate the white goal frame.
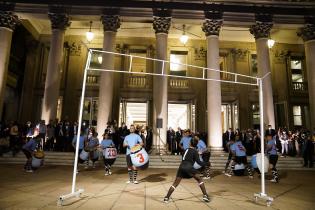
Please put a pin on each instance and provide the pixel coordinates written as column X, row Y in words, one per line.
column 258, row 82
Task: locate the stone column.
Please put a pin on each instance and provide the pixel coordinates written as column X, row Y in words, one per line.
column 110, row 24
column 59, row 23
column 261, row 32
column 161, row 26
column 308, row 35
column 211, row 27
column 8, row 22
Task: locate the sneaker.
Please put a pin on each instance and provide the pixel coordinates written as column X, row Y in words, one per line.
column 93, row 166
column 227, row 174
column 109, row 173
column 251, row 177
column 205, row 198
column 106, row 173
column 206, row 177
column 86, row 166
column 29, row 171
column 274, row 180
column 128, row 182
column 135, row 182
column 166, row 199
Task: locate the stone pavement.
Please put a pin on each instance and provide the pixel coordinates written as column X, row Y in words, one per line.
column 40, row 190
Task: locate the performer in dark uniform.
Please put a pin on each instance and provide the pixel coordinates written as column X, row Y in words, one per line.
column 187, row 171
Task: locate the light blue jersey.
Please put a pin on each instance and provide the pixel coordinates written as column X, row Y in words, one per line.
column 185, row 141
column 273, row 150
column 93, row 142
column 238, row 149
column 81, row 141
column 107, row 143
column 131, row 140
column 201, row 146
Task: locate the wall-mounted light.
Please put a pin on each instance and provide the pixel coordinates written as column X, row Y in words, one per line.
column 184, row 38
column 270, row 43
column 90, row 34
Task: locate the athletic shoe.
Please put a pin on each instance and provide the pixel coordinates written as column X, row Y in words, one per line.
column 274, row 180
column 29, row 171
column 227, row 174
column 251, row 177
column 166, row 199
column 93, row 166
column 136, row 182
column 106, row 173
column 206, row 177
column 205, row 198
column 109, row 173
column 128, row 182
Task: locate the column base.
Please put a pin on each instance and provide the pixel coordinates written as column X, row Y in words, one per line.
column 216, row 149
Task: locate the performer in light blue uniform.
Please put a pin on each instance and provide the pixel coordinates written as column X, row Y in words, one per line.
column 205, row 156
column 273, row 156
column 107, row 142
column 130, row 141
column 239, row 153
column 185, row 141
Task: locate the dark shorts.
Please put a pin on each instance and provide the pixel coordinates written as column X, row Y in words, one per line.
column 273, row 159
column 241, row 159
column 108, row 161
column 27, row 153
column 206, row 156
column 128, row 160
column 186, row 170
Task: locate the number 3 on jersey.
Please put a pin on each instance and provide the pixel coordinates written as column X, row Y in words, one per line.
column 141, row 158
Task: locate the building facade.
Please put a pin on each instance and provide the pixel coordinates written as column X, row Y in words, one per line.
column 44, row 52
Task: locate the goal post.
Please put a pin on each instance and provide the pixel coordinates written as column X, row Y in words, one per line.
column 234, row 78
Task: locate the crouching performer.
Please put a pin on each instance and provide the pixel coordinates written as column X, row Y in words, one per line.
column 187, row 171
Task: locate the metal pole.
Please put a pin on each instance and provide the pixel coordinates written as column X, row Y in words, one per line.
column 80, row 123
column 262, row 135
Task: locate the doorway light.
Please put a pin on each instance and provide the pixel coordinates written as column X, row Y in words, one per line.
column 90, row 34
column 184, row 38
column 270, row 43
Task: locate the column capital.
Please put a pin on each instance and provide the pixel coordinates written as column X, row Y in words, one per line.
column 161, row 24
column 212, row 26
column 111, row 22
column 59, row 20
column 7, row 18
column 262, row 27
column 308, row 31
column 162, row 20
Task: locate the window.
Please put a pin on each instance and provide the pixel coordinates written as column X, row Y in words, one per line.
column 253, row 65
column 297, row 115
column 178, row 63
column 296, row 70
column 256, row 114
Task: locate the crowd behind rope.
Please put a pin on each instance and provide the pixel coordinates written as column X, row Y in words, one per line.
column 58, row 136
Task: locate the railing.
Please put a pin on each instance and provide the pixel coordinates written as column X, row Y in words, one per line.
column 137, row 81
column 178, row 83
column 299, row 86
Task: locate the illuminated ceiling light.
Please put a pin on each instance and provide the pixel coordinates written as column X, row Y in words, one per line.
column 90, row 34
column 270, row 43
column 100, row 59
column 183, row 38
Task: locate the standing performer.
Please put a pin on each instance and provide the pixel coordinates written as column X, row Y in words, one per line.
column 185, row 141
column 239, row 152
column 187, row 171
column 228, row 171
column 131, row 140
column 91, row 146
column 205, row 156
column 106, row 143
column 273, row 156
column 29, row 149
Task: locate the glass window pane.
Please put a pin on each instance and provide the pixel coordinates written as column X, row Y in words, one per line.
column 178, row 63
column 297, row 120
column 296, row 110
column 296, row 64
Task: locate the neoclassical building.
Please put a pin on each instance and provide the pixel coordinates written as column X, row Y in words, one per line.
column 43, row 52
